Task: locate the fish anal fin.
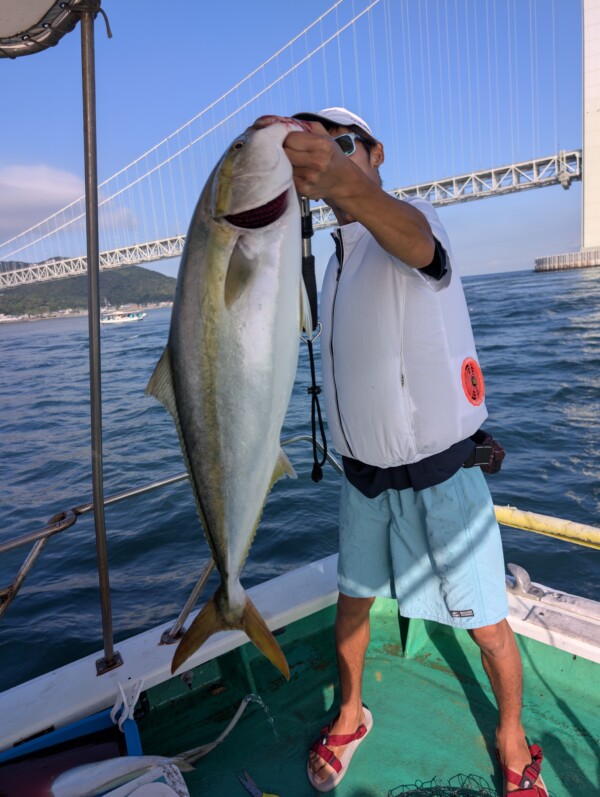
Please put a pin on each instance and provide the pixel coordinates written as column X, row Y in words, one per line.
column 161, row 383
column 210, row 620
column 283, row 467
column 256, row 628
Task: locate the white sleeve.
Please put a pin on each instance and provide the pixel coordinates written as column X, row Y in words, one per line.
column 440, row 234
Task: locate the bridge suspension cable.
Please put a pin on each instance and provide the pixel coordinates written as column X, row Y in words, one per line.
column 560, row 169
column 433, row 79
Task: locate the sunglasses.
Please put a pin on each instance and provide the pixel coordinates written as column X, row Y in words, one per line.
column 347, row 142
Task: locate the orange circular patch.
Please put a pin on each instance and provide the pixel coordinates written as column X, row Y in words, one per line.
column 472, row 381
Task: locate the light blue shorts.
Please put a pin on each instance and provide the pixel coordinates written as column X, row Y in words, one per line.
column 437, row 551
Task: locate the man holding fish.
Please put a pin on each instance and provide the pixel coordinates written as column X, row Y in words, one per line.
column 404, row 396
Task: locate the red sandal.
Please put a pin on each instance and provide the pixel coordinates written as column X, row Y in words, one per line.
column 349, row 741
column 530, row 781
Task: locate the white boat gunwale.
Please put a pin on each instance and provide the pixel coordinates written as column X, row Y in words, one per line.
column 74, row 691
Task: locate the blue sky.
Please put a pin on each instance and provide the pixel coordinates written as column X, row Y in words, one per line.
column 449, row 87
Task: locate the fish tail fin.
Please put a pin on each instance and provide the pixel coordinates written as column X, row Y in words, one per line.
column 257, row 630
column 210, row 620
column 207, row 623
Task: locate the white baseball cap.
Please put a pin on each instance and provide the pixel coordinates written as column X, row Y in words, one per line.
column 339, row 117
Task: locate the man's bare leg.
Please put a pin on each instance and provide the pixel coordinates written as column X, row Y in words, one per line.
column 502, row 662
column 500, row 657
column 352, row 630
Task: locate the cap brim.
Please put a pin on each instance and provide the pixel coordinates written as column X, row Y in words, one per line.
column 327, row 123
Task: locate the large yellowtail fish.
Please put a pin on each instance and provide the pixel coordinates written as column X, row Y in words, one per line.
column 228, row 369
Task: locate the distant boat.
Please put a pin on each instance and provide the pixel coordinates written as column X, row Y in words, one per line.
column 121, row 316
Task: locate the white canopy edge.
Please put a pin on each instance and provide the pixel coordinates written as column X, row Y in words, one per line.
column 32, row 26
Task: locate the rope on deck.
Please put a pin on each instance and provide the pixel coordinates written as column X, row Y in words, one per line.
column 457, row 786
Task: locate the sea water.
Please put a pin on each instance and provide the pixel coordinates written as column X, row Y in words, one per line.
column 538, row 339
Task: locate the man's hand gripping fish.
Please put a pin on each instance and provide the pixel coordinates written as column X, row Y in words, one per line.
column 227, row 372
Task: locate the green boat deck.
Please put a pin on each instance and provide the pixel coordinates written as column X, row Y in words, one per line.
column 434, row 712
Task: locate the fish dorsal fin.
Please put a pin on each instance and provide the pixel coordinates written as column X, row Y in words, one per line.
column 283, row 467
column 306, row 323
column 161, row 387
column 161, row 383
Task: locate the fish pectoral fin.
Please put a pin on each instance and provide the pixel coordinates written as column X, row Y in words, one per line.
column 283, row 467
column 306, row 322
column 240, row 274
column 161, row 383
column 210, row 620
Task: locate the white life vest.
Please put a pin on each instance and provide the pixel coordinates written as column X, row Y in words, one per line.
column 400, row 371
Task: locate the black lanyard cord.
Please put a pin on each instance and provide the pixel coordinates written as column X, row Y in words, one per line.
column 308, row 275
column 314, row 390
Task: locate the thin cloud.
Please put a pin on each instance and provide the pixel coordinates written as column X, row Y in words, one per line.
column 29, row 194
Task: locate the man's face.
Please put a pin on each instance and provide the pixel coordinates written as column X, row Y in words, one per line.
column 366, row 156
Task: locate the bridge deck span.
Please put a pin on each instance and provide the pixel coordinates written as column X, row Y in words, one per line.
column 560, row 169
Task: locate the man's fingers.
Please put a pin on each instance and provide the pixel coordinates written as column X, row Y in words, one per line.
column 306, row 187
column 317, row 127
column 264, row 121
column 317, row 162
column 307, row 142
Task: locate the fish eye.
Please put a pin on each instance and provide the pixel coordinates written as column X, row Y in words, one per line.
column 239, row 144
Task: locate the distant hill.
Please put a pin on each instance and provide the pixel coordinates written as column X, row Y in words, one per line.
column 128, row 285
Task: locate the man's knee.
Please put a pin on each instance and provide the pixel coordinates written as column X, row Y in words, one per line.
column 355, row 609
column 494, row 639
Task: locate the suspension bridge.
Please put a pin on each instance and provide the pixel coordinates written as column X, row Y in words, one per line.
column 469, row 91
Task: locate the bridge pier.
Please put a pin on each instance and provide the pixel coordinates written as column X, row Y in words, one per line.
column 585, row 258
column 589, row 254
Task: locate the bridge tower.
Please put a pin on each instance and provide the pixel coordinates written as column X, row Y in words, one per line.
column 591, row 124
column 589, row 254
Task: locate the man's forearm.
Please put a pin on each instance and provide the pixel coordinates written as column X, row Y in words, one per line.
column 399, row 228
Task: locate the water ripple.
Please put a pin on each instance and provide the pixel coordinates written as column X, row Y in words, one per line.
column 537, row 337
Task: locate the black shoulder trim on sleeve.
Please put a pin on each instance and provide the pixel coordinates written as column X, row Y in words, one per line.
column 437, row 268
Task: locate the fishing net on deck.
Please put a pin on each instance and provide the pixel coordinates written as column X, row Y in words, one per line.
column 458, row 786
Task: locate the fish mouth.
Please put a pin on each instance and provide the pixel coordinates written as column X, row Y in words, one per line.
column 255, row 218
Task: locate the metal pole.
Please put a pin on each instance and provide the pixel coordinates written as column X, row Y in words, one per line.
column 111, row 658
column 308, row 259
column 173, row 635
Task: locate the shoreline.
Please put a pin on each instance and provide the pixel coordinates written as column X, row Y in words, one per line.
column 62, row 314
